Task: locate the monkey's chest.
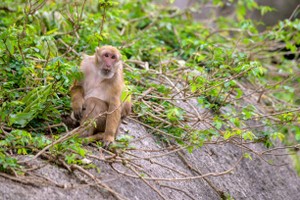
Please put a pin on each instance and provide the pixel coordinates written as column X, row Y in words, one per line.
column 99, row 92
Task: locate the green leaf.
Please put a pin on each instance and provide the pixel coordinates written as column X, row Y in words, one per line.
column 71, row 159
column 248, row 135
column 236, row 121
column 277, row 135
column 174, row 114
column 190, row 149
column 126, row 94
column 265, row 9
column 227, row 135
column 10, row 45
column 239, row 93
column 218, row 124
column 248, row 156
column 21, row 119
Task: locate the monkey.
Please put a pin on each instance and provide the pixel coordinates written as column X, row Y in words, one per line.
column 98, row 94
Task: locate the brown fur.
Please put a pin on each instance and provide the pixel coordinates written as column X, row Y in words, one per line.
column 98, row 95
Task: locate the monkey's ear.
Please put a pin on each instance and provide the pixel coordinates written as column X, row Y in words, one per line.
column 83, row 55
column 120, row 56
column 97, row 49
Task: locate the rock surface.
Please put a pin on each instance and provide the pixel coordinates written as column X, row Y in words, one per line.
column 250, row 179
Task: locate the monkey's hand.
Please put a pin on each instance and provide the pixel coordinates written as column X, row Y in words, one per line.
column 77, row 107
column 77, row 97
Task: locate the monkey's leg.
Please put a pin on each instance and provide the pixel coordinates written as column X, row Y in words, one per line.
column 112, row 122
column 108, row 138
column 94, row 109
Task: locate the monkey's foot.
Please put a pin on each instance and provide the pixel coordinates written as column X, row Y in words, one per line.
column 106, row 144
column 107, row 140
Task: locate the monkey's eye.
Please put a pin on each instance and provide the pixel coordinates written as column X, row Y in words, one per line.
column 113, row 57
column 106, row 55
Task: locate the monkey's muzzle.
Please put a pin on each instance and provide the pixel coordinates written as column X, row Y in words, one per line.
column 106, row 71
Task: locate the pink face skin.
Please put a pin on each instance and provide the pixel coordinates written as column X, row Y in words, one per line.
column 107, row 59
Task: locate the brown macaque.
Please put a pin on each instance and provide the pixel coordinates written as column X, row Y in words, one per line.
column 98, row 95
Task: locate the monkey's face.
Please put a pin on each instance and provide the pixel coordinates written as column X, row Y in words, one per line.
column 108, row 61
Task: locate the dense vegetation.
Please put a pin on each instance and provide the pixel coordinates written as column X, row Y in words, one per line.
column 246, row 82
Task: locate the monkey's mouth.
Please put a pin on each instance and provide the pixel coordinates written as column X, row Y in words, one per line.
column 106, row 71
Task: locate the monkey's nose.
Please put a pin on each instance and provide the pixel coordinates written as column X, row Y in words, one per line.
column 108, row 66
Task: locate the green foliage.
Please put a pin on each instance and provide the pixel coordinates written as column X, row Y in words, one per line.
column 72, row 150
column 7, row 163
column 224, row 69
column 122, row 142
column 21, row 142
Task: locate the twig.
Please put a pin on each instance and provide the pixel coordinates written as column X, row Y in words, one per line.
column 180, row 190
column 275, row 114
column 297, row 146
column 159, row 131
column 294, row 12
column 159, row 164
column 68, row 134
column 219, row 192
column 98, row 182
column 189, row 178
column 69, row 48
column 151, row 186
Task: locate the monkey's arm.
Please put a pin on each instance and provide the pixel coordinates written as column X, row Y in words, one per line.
column 77, row 99
column 112, row 121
